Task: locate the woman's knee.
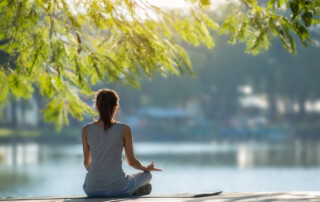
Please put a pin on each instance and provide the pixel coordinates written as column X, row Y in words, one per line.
column 148, row 175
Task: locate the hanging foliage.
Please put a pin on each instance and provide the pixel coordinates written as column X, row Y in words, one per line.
column 65, row 46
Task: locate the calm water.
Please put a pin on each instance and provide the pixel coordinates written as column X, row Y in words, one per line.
column 43, row 170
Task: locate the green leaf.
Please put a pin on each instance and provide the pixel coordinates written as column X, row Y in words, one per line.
column 20, row 85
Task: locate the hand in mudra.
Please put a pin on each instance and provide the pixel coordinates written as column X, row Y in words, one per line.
column 152, row 168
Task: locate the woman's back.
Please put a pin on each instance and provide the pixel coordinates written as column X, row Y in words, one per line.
column 105, row 171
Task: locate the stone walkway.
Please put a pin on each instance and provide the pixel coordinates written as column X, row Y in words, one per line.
column 236, row 196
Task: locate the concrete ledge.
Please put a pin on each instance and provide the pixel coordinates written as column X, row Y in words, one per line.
column 229, row 196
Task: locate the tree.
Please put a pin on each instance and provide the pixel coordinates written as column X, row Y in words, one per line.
column 64, row 46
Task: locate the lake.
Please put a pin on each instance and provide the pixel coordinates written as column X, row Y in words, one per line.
column 33, row 169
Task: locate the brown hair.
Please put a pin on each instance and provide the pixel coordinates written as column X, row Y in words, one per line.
column 105, row 101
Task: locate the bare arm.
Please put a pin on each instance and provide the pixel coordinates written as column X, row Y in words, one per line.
column 128, row 148
column 86, row 148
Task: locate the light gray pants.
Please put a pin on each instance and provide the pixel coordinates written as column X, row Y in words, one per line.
column 133, row 182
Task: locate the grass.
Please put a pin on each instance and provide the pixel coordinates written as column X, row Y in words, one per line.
column 39, row 133
column 5, row 132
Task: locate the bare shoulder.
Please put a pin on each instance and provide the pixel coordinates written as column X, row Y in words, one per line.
column 125, row 130
column 84, row 130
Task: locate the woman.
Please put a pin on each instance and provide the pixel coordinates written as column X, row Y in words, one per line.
column 103, row 141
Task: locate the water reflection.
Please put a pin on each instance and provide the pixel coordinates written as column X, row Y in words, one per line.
column 244, row 157
column 241, row 155
column 19, row 154
column 33, row 169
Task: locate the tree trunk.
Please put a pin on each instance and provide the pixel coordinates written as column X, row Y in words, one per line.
column 14, row 118
column 272, row 102
column 40, row 104
column 23, row 105
column 302, row 107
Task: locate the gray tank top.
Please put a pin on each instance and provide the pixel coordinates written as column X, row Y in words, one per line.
column 105, row 171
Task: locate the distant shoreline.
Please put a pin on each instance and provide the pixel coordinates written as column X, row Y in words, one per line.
column 73, row 135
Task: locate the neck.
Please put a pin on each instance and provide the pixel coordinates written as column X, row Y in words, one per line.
column 100, row 121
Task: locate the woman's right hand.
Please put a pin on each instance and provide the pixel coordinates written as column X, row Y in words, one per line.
column 152, row 168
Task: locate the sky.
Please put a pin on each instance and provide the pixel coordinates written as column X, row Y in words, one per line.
column 181, row 3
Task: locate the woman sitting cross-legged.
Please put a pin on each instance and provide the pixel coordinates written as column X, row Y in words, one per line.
column 103, row 141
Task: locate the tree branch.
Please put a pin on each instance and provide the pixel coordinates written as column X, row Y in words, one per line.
column 247, row 4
